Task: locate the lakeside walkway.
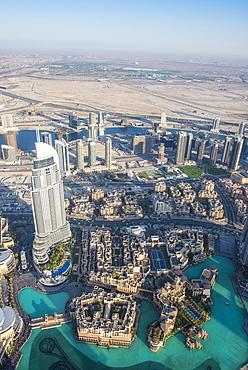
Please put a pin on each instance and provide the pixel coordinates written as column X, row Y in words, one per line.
column 28, row 280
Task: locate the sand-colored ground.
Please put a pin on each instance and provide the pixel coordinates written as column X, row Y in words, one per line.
column 224, row 97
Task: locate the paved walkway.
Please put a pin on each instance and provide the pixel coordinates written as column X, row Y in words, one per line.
column 29, row 280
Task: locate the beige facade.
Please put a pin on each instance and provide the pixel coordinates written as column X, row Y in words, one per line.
column 103, row 318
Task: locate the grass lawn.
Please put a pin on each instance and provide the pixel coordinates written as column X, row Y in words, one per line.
column 150, row 175
column 217, row 171
column 193, row 172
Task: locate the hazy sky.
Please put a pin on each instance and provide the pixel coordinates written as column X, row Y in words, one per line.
column 168, row 26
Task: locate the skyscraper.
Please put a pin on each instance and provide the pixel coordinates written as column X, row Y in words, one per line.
column 213, row 155
column 163, row 123
column 101, row 124
column 46, row 137
column 142, row 144
column 80, row 155
column 216, row 125
column 189, row 144
column 7, row 120
column 244, row 244
column 47, row 195
column 161, row 152
column 241, row 129
column 181, row 147
column 10, row 138
column 73, row 120
column 61, row 147
column 108, row 152
column 226, row 150
column 200, row 152
column 92, row 153
column 235, row 154
column 92, row 126
column 245, row 146
column 8, row 153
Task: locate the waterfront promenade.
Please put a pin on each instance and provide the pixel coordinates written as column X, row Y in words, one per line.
column 29, row 280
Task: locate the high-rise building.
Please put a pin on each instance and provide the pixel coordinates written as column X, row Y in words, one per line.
column 108, row 152
column 216, row 125
column 245, row 146
column 47, row 195
column 101, row 124
column 244, row 244
column 200, row 152
column 213, row 155
column 226, row 150
column 1, row 231
column 8, row 153
column 235, row 154
column 163, row 123
column 163, row 119
column 7, row 120
column 241, row 129
column 92, row 153
column 62, row 150
column 10, row 138
column 92, row 126
column 142, row 144
column 46, row 137
column 189, row 145
column 80, row 155
column 73, row 120
column 161, row 152
column 92, row 118
column 181, row 147
column 149, row 143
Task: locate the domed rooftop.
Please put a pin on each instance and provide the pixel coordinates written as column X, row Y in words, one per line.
column 7, row 317
column 4, row 254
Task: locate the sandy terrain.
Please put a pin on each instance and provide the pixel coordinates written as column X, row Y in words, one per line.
column 196, row 91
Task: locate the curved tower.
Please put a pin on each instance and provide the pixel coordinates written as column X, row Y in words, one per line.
column 47, row 195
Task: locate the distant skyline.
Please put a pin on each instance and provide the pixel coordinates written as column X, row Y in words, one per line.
column 217, row 27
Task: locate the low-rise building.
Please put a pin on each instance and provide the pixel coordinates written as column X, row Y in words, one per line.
column 207, row 185
column 160, row 186
column 240, row 207
column 106, row 319
column 202, row 287
column 216, row 209
column 97, row 194
column 7, row 261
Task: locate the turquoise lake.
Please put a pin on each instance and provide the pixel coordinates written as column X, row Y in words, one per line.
column 226, row 348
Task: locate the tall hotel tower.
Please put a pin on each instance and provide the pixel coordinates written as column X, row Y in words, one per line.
column 7, row 120
column 235, row 154
column 216, row 125
column 47, row 195
column 101, row 124
column 213, row 155
column 92, row 154
column 108, row 152
column 181, row 147
column 80, row 155
column 226, row 150
column 62, row 150
column 189, row 145
column 241, row 130
column 200, row 152
column 46, row 137
column 92, row 126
